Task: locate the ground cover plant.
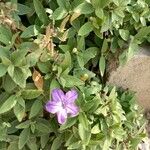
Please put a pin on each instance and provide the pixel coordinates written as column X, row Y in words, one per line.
column 54, row 64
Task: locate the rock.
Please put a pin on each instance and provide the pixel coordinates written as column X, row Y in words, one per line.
column 135, row 75
column 144, row 145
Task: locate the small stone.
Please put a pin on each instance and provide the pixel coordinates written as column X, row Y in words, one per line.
column 135, row 76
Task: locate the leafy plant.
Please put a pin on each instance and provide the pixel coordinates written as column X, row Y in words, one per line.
column 66, row 44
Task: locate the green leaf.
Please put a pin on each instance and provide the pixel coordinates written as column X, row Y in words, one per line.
column 84, row 8
column 6, row 61
column 24, row 125
column 3, row 69
column 95, row 129
column 104, row 46
column 3, row 131
column 124, row 34
column 43, row 127
column 143, row 21
column 39, row 9
column 59, row 14
column 99, row 13
column 89, row 53
column 18, row 56
column 85, row 56
column 133, row 47
column 70, row 81
column 19, row 109
column 31, row 93
column 33, row 58
column 81, row 43
column 57, row 143
column 143, row 32
column 70, row 122
column 102, row 64
column 84, row 134
column 5, row 35
column 64, row 4
column 19, row 75
column 13, row 146
column 84, row 120
column 23, row 9
column 32, row 143
column 107, row 144
column 54, row 84
column 76, row 145
column 8, row 104
column 85, row 29
column 44, row 67
column 80, row 60
column 4, row 52
column 44, row 140
column 11, row 70
column 30, row 31
column 36, row 108
column 114, row 45
column 66, row 63
column 8, row 84
column 100, row 3
column 24, row 137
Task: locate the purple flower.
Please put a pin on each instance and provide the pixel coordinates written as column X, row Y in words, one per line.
column 63, row 104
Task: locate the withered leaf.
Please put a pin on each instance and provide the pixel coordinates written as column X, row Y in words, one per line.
column 38, row 79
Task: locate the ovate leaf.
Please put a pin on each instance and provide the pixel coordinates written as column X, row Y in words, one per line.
column 70, row 81
column 43, row 127
column 41, row 13
column 23, row 9
column 85, row 29
column 102, row 64
column 84, row 8
column 5, row 35
column 54, row 84
column 8, row 104
column 30, row 31
column 100, row 3
column 44, row 139
column 57, row 143
column 23, row 138
column 19, row 109
column 35, row 109
column 59, row 14
column 95, row 129
column 24, row 125
column 124, row 34
column 3, row 69
column 84, row 134
column 70, row 122
column 83, row 120
column 31, row 94
column 143, row 32
column 8, row 84
column 99, row 13
column 19, row 75
column 18, row 56
column 66, row 63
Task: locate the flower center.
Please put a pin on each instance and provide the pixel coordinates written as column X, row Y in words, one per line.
column 63, row 105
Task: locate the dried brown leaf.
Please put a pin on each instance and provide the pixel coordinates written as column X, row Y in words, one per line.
column 38, row 79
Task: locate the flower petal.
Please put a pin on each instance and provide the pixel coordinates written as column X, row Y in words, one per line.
column 72, row 109
column 53, row 107
column 62, row 116
column 58, row 95
column 71, row 96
